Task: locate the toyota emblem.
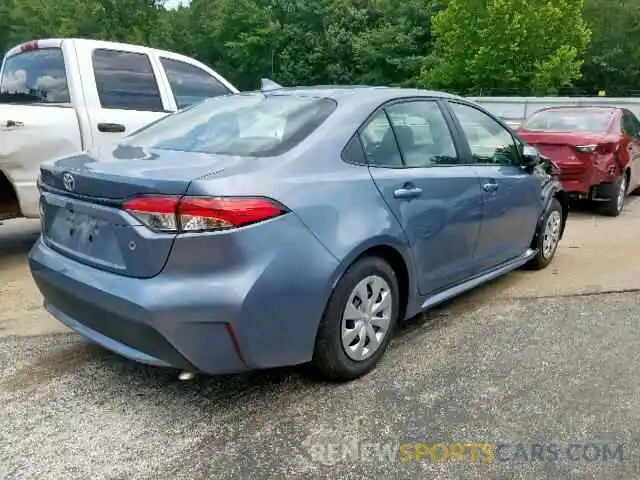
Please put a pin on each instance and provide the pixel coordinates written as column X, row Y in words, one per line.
column 69, row 182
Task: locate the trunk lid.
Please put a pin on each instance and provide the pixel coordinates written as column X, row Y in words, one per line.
column 561, row 147
column 82, row 215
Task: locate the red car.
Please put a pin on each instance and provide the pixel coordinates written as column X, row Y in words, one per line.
column 596, row 148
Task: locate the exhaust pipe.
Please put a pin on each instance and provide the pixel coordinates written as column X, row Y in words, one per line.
column 184, row 376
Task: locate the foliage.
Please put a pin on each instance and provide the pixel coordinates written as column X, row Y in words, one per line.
column 468, row 46
column 533, row 46
column 612, row 62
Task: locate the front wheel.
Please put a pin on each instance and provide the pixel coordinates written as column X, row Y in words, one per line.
column 359, row 321
column 548, row 237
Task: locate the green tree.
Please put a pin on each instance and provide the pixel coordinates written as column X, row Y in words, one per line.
column 533, row 46
column 612, row 62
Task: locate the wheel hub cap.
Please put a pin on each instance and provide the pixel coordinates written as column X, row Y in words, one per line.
column 551, row 234
column 366, row 318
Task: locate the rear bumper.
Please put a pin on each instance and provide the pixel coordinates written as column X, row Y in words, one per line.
column 262, row 316
column 118, row 314
column 592, row 179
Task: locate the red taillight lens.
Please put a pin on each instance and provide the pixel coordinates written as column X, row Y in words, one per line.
column 602, row 148
column 607, row 148
column 198, row 214
column 157, row 213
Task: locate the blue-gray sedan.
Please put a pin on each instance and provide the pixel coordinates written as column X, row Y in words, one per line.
column 298, row 225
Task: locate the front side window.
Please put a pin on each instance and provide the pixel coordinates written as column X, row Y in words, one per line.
column 126, row 81
column 490, row 142
column 422, row 133
column 35, row 76
column 248, row 125
column 191, row 84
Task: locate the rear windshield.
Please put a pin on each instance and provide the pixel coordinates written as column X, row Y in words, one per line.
column 570, row 120
column 36, row 76
column 243, row 124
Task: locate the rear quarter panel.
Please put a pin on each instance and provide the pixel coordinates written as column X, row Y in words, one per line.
column 338, row 202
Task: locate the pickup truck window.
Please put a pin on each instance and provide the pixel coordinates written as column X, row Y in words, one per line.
column 191, row 84
column 35, row 76
column 125, row 81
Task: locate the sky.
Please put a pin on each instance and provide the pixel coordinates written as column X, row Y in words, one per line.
column 175, row 3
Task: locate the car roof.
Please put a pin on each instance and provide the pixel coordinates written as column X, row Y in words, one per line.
column 580, row 107
column 348, row 93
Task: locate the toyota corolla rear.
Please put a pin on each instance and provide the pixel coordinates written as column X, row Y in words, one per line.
column 173, row 249
column 582, row 141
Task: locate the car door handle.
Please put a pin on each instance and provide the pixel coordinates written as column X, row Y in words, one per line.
column 111, row 127
column 490, row 186
column 407, row 192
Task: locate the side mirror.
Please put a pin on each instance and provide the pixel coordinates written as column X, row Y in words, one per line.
column 531, row 156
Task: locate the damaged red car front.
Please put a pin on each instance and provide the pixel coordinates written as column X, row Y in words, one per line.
column 596, row 148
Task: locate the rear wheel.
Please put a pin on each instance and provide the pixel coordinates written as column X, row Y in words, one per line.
column 359, row 321
column 615, row 203
column 548, row 237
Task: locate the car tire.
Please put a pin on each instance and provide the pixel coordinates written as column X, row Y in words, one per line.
column 548, row 237
column 343, row 343
column 615, row 203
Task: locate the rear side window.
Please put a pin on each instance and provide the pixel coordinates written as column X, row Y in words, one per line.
column 35, row 76
column 191, row 84
column 422, row 134
column 248, row 125
column 126, row 81
column 379, row 142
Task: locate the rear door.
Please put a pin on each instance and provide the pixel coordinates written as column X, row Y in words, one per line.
column 437, row 199
column 512, row 201
column 123, row 89
column 37, row 118
column 190, row 81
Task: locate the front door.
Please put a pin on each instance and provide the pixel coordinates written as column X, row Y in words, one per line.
column 415, row 164
column 512, row 198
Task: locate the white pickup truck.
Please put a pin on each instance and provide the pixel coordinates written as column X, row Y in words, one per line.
column 60, row 96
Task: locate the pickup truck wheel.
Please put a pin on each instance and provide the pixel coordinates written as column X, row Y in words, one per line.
column 615, row 204
column 359, row 321
column 548, row 237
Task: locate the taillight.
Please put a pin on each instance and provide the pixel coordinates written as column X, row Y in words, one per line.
column 586, row 148
column 201, row 214
column 602, row 148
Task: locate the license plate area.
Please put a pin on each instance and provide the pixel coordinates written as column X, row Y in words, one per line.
column 84, row 231
column 79, row 231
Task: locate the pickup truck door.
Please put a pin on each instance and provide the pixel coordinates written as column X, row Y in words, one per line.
column 191, row 81
column 124, row 90
column 37, row 119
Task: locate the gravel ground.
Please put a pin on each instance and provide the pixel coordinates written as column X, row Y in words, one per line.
column 534, row 358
